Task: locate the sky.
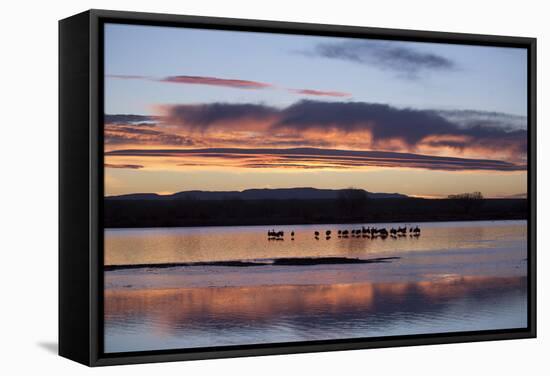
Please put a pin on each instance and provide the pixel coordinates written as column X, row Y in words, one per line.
column 192, row 109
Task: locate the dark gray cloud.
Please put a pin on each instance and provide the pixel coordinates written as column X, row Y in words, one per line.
column 202, row 116
column 395, row 56
column 127, row 118
column 408, row 125
column 470, row 118
column 383, row 122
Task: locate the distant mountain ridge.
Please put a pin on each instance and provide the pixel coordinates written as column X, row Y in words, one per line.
column 258, row 194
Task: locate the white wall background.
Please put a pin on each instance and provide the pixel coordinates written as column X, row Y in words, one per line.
column 28, row 147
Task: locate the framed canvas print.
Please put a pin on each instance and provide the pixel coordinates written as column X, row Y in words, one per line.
column 239, row 187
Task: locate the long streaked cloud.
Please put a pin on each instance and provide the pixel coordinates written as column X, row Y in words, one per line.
column 128, row 118
column 386, row 55
column 316, row 158
column 165, row 139
column 231, row 83
column 124, row 166
column 320, row 93
column 470, row 118
column 214, row 81
column 135, row 129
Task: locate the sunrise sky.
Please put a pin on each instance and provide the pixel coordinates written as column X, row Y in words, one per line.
column 217, row 110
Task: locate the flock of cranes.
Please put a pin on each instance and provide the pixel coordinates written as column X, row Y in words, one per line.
column 363, row 232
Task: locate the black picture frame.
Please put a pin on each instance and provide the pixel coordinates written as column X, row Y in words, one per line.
column 81, row 186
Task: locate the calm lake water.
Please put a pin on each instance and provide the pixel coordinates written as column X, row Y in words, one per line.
column 192, row 244
column 457, row 276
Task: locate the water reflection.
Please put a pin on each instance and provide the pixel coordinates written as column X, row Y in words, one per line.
column 142, row 319
column 170, row 245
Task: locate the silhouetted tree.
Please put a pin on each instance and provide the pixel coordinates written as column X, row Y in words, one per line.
column 467, row 201
column 466, row 196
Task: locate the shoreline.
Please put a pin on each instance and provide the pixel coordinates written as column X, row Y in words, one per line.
column 188, row 213
column 327, row 223
column 284, row 261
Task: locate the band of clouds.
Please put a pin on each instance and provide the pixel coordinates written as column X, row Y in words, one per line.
column 231, row 83
column 382, row 122
column 304, row 125
column 317, row 158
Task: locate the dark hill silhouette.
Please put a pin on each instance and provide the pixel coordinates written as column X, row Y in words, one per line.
column 297, row 206
column 259, row 194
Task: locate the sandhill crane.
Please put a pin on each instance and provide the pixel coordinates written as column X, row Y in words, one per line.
column 275, row 235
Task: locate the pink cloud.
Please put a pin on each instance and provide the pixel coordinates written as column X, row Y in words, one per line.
column 320, row 93
column 214, row 81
